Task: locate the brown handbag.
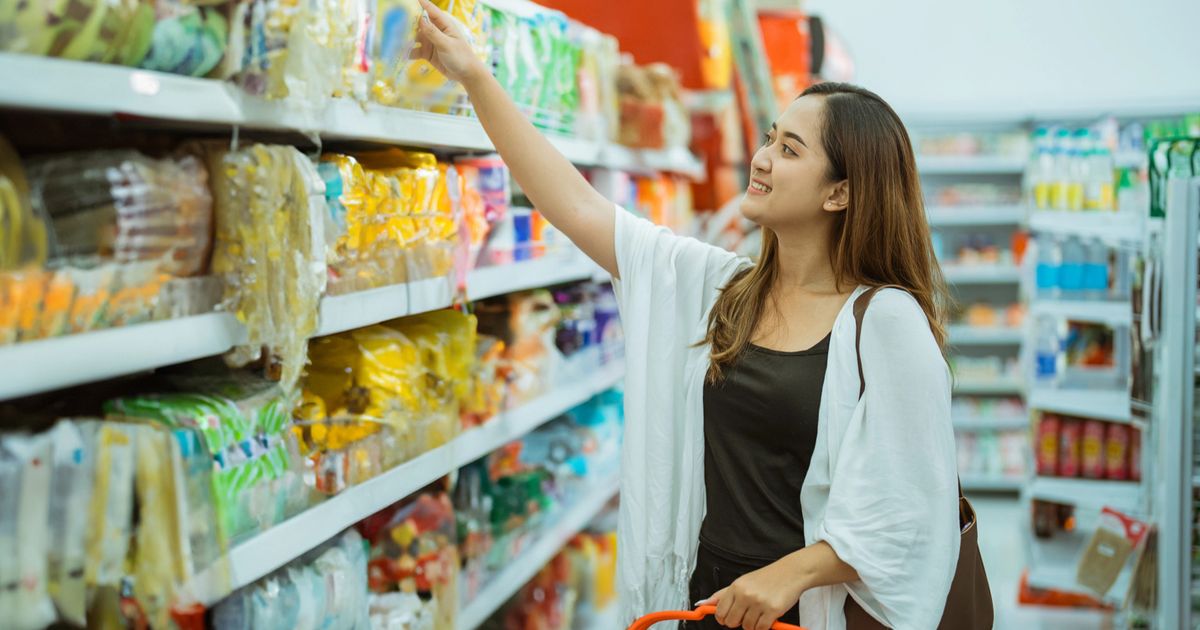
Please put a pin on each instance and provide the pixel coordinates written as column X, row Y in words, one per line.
column 969, row 604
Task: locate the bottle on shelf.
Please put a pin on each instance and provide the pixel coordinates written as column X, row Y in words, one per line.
column 1046, row 352
column 1079, row 170
column 1095, row 271
column 1099, row 195
column 1061, row 170
column 1072, row 268
column 1047, row 271
column 1039, row 173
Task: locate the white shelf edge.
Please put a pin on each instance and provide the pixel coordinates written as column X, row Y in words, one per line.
column 548, row 543
column 34, row 367
column 999, row 387
column 1111, row 312
column 1116, row 227
column 970, row 165
column 992, row 483
column 549, row 271
column 982, row 274
column 967, row 215
column 119, row 90
column 1121, row 495
column 966, row 335
column 1110, row 405
column 999, row 423
column 275, row 547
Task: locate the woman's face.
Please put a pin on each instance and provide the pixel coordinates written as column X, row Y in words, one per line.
column 789, row 175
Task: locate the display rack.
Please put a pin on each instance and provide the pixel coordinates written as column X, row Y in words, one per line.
column 953, row 216
column 156, row 96
column 994, row 284
column 548, row 542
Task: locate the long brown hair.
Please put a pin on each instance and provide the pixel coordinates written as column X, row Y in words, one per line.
column 881, row 238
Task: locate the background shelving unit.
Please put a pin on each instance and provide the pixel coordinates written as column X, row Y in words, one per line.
column 952, row 218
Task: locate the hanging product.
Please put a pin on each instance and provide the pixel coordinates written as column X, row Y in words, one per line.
column 268, row 251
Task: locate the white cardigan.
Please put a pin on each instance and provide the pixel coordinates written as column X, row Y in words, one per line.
column 882, row 485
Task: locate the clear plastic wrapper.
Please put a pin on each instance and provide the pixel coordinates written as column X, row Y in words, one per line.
column 23, row 231
column 416, row 84
column 28, row 455
column 268, row 251
column 125, row 207
column 326, row 590
column 187, row 39
column 110, row 512
column 245, row 426
column 70, row 492
column 108, row 31
column 293, row 50
column 380, row 395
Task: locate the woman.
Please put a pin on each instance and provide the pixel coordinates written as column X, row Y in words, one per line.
column 754, row 475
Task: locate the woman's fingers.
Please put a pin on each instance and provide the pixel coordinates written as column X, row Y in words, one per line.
column 438, row 17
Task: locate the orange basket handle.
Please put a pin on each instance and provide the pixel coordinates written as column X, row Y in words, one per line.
column 692, row 615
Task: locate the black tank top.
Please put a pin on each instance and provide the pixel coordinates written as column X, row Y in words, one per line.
column 760, row 428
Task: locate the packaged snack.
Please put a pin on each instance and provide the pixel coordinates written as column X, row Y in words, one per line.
column 23, row 231
column 69, row 496
column 268, row 250
column 1107, row 554
column 1069, row 441
column 104, row 31
column 413, row 551
column 1093, row 455
column 416, row 84
column 1116, row 452
column 187, row 39
column 245, row 425
column 30, row 458
column 110, row 512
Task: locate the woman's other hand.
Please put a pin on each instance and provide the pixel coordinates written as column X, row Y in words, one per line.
column 444, row 42
column 758, row 599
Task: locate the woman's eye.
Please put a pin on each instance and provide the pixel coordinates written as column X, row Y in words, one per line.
column 787, row 149
column 766, row 139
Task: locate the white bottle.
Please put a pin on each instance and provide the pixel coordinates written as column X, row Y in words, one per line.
column 1080, row 169
column 1071, row 271
column 1039, row 173
column 1045, row 364
column 1061, row 169
column 1048, row 268
column 1099, row 192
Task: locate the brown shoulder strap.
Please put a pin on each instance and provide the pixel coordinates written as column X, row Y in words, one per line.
column 860, row 311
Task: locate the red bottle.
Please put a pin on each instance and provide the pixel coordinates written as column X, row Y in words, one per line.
column 1047, row 444
column 1069, row 439
column 1093, row 449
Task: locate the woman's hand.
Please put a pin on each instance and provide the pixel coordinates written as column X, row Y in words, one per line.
column 758, row 599
column 444, row 42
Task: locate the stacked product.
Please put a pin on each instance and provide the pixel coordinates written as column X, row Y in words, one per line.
column 378, row 396
column 504, row 500
column 111, row 519
column 663, row 199
column 101, row 239
column 1085, row 448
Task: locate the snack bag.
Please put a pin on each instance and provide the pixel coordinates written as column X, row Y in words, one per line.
column 416, row 84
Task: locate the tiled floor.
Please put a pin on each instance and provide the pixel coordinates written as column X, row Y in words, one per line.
column 1001, row 523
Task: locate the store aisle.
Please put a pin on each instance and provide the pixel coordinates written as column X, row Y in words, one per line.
column 1001, row 523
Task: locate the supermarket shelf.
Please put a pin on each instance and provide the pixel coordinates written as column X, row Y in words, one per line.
column 543, row 272
column 998, row 387
column 39, row 366
column 992, row 423
column 354, row 310
column 275, row 547
column 970, row 165
column 961, row 335
column 954, row 216
column 548, row 543
column 1112, row 227
column 127, row 92
column 992, row 483
column 982, row 274
column 1108, row 312
column 1125, row 496
column 1131, row 159
column 1111, row 405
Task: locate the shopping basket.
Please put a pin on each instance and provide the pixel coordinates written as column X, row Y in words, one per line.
column 692, row 615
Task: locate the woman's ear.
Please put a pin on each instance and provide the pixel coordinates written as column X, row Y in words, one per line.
column 839, row 197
